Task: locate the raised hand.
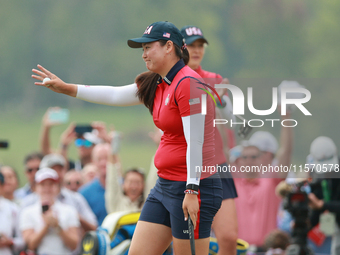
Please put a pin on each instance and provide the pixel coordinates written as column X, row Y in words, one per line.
column 55, row 83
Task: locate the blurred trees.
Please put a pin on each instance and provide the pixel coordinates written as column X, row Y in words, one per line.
column 85, row 42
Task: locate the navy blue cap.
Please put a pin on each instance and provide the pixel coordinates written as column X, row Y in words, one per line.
column 191, row 34
column 161, row 30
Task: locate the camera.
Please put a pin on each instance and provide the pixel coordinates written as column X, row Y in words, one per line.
column 296, row 203
column 4, row 144
column 45, row 208
column 81, row 129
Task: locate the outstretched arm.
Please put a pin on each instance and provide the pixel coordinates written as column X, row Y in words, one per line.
column 109, row 95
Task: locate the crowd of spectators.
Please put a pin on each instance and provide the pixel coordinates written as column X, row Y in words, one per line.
column 63, row 198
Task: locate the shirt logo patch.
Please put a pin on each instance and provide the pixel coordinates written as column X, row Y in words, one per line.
column 167, row 99
column 194, row 101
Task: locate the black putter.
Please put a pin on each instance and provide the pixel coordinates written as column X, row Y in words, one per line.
column 191, row 235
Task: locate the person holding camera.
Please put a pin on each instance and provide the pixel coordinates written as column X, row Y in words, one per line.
column 84, row 137
column 324, row 200
column 49, row 226
column 58, row 163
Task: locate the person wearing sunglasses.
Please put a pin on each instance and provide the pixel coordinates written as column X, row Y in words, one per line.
column 31, row 166
column 73, row 180
column 258, row 205
column 84, row 142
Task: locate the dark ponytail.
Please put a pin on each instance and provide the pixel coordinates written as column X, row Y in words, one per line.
column 147, row 81
column 147, row 85
column 182, row 52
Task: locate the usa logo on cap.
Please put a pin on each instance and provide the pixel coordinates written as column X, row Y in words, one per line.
column 148, row 30
column 167, row 35
column 193, row 31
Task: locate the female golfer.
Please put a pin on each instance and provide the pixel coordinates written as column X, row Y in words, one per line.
column 225, row 221
column 173, row 94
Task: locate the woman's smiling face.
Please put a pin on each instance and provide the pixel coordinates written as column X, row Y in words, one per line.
column 196, row 53
column 153, row 56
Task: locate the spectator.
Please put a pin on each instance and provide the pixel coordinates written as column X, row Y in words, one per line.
column 257, row 205
column 276, row 242
column 49, row 226
column 32, row 162
column 84, row 142
column 130, row 195
column 11, row 183
column 10, row 236
column 317, row 241
column 47, row 124
column 89, row 172
column 325, row 196
column 58, row 163
column 94, row 192
column 73, row 180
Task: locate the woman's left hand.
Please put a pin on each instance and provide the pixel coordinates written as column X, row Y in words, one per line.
column 190, row 206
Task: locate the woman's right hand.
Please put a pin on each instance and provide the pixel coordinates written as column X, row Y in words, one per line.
column 55, row 84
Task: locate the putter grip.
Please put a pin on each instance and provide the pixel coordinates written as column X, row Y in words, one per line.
column 191, row 235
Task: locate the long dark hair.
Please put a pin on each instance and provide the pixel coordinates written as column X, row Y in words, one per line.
column 147, row 81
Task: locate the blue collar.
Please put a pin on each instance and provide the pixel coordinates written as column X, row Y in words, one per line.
column 172, row 73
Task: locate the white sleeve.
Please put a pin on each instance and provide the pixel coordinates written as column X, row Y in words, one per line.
column 113, row 192
column 227, row 111
column 109, row 95
column 193, row 126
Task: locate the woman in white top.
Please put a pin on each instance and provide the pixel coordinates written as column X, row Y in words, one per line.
column 10, row 237
column 49, row 226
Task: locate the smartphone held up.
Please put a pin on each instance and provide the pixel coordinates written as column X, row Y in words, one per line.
column 60, row 116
